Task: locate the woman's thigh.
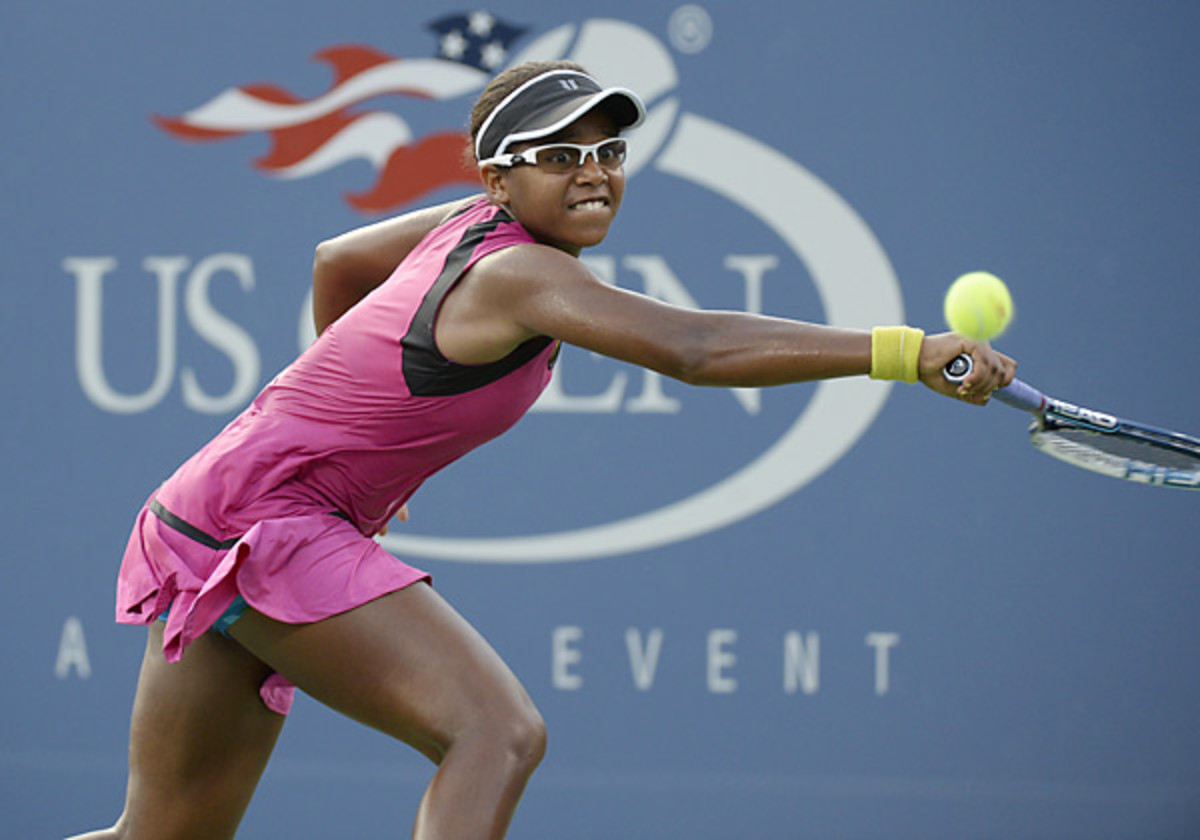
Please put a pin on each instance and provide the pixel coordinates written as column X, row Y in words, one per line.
column 406, row 663
column 200, row 738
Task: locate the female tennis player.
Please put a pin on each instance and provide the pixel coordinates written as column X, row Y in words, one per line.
column 254, row 566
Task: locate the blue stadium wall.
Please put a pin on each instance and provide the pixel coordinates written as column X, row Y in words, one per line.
column 837, row 611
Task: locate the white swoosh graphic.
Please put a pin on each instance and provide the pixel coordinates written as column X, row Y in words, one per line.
column 235, row 110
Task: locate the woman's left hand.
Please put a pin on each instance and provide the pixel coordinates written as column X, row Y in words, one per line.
column 401, row 514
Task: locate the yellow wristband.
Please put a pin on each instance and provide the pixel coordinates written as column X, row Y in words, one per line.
column 895, row 352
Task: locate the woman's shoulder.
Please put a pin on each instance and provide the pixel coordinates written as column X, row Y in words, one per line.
column 529, row 258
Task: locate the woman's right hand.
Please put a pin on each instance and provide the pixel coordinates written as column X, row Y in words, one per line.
column 991, row 370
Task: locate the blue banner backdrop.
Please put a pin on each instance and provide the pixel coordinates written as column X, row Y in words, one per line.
column 840, row 610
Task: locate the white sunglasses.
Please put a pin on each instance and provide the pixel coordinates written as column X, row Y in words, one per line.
column 560, row 158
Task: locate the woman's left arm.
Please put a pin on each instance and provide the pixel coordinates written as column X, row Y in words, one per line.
column 347, row 267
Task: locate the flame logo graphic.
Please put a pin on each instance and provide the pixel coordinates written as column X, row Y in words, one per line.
column 311, row 136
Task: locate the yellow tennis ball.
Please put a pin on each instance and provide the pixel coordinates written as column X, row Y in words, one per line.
column 978, row 306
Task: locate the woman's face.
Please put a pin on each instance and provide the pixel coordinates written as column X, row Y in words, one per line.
column 571, row 210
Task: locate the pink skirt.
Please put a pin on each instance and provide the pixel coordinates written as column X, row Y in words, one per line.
column 296, row 570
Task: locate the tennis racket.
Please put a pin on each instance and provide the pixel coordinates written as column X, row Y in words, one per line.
column 1097, row 441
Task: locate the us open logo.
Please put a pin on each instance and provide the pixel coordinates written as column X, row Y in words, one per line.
column 708, row 184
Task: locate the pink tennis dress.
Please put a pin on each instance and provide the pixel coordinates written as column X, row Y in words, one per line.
column 281, row 506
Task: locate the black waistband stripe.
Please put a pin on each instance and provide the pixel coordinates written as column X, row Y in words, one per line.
column 188, row 529
column 204, row 538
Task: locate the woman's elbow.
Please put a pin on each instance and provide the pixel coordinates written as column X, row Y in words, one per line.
column 326, row 256
column 694, row 363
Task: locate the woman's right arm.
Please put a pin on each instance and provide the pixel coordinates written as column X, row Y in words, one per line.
column 347, row 267
column 530, row 290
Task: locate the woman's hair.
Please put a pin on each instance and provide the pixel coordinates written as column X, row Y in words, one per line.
column 504, row 84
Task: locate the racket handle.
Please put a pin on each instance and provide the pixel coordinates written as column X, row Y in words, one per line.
column 1016, row 393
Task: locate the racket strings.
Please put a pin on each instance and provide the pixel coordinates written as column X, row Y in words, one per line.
column 1146, row 448
column 1115, row 454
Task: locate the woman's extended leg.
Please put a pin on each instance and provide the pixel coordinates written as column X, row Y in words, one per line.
column 199, row 740
column 409, row 665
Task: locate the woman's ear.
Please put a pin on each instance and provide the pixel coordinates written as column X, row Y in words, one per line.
column 495, row 183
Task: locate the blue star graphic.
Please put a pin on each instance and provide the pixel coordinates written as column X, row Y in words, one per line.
column 478, row 39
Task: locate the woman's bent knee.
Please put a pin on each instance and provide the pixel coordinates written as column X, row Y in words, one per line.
column 527, row 739
column 516, row 739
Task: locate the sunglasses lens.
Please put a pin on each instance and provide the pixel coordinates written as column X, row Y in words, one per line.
column 565, row 158
column 611, row 153
column 558, row 159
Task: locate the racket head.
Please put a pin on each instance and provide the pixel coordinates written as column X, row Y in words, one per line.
column 1118, row 448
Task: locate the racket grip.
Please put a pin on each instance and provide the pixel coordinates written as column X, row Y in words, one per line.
column 1016, row 393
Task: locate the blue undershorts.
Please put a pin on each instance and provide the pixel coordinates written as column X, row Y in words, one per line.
column 221, row 625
